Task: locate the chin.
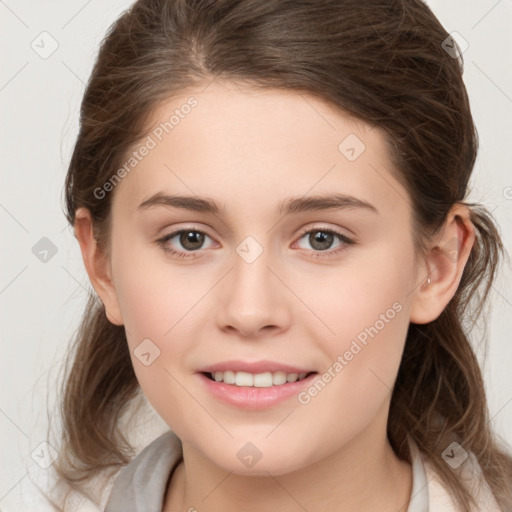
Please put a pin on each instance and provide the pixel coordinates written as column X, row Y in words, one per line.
column 277, row 463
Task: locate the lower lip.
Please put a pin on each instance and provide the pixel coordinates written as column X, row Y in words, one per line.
column 252, row 398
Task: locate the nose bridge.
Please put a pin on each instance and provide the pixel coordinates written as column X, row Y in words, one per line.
column 253, row 297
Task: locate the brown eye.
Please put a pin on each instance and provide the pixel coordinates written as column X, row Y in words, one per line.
column 191, row 240
column 321, row 241
column 188, row 241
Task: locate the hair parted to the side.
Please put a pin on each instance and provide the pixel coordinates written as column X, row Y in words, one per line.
column 381, row 61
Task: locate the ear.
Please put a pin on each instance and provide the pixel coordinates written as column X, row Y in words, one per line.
column 97, row 266
column 444, row 265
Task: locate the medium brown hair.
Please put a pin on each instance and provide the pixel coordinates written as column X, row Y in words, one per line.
column 381, row 61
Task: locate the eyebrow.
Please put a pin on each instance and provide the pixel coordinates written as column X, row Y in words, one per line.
column 290, row 205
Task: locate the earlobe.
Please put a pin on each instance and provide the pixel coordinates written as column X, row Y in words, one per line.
column 97, row 265
column 443, row 266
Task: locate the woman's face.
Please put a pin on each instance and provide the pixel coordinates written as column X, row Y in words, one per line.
column 277, row 277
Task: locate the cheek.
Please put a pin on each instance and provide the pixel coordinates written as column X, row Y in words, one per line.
column 366, row 287
column 161, row 304
column 153, row 293
column 369, row 316
column 156, row 307
column 364, row 310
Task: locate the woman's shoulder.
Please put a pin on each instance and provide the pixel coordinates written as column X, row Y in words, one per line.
column 142, row 483
column 471, row 475
column 110, row 489
column 42, row 491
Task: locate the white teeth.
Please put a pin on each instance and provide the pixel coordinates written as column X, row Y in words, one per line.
column 259, row 380
column 243, row 379
column 262, row 380
column 278, row 378
column 228, row 377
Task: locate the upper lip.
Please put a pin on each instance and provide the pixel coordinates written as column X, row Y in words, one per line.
column 253, row 367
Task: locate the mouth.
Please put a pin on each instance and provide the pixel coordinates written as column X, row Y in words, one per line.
column 261, row 389
column 257, row 380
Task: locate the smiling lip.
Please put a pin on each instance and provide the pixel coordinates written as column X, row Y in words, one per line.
column 254, row 398
column 255, row 367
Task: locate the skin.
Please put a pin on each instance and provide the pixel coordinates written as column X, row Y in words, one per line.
column 249, row 150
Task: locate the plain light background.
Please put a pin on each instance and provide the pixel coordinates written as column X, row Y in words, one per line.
column 41, row 302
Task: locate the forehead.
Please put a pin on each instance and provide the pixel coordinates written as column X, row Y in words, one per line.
column 248, row 147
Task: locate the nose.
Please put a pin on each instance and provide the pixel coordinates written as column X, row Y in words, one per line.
column 253, row 299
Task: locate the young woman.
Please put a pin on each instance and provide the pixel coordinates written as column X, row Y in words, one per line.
column 271, row 203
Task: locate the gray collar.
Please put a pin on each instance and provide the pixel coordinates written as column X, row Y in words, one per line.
column 141, row 484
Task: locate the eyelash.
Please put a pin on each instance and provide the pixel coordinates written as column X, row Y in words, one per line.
column 162, row 242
